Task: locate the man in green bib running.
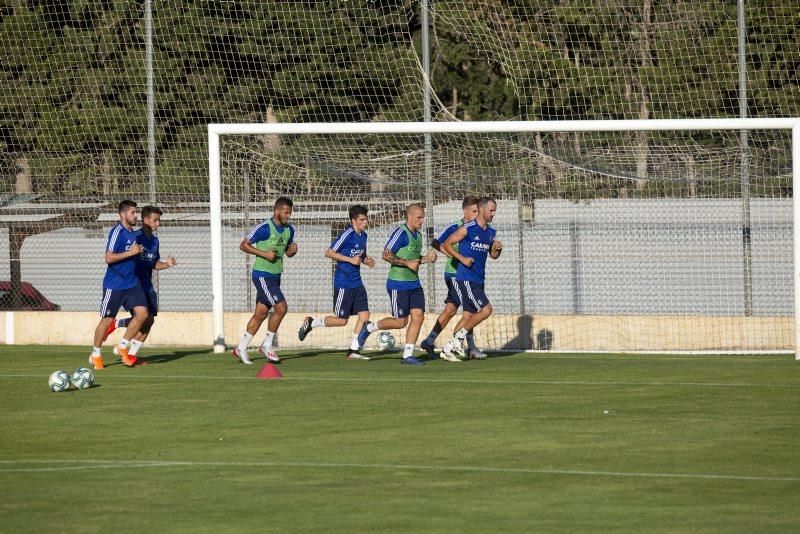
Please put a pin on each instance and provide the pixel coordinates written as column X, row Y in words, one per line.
column 269, row 242
column 403, row 251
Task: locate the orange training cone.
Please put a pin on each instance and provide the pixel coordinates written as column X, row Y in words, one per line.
column 269, row 371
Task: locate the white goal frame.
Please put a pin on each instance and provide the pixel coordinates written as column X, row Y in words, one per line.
column 215, row 185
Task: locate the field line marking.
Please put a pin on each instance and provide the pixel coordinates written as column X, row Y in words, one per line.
column 122, row 464
column 450, row 380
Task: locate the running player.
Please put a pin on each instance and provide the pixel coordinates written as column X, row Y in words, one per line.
column 469, row 207
column 478, row 242
column 403, row 251
column 349, row 251
column 121, row 287
column 269, row 242
column 148, row 260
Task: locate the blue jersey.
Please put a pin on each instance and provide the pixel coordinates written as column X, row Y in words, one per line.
column 146, row 260
column 122, row 274
column 351, row 244
column 396, row 241
column 261, row 233
column 441, row 238
column 475, row 245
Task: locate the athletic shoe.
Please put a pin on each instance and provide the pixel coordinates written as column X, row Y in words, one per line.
column 270, row 354
column 449, row 351
column 363, row 334
column 458, row 347
column 429, row 349
column 355, row 355
column 305, row 328
column 110, row 329
column 96, row 361
column 477, row 354
column 411, row 361
column 127, row 361
column 243, row 356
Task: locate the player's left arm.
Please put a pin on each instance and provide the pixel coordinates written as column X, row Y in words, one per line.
column 496, row 249
column 166, row 264
column 291, row 248
column 430, row 257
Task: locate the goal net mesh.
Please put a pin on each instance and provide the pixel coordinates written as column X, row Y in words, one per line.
column 90, row 117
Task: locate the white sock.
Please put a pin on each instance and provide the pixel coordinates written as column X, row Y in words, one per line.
column 268, row 340
column 318, row 323
column 354, row 342
column 95, row 351
column 135, row 346
column 123, row 344
column 408, row 350
column 244, row 342
column 461, row 334
column 371, row 327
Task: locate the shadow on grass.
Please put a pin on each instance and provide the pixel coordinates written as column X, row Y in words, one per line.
column 168, row 356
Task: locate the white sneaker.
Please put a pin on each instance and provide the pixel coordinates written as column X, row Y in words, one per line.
column 355, row 355
column 449, row 351
column 243, row 356
column 270, row 354
column 458, row 347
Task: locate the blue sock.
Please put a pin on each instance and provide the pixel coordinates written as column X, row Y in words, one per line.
column 471, row 341
column 123, row 323
column 431, row 339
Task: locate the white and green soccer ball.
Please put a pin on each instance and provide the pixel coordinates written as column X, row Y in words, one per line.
column 385, row 341
column 82, row 378
column 59, row 381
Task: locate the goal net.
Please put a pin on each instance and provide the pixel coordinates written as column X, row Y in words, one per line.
column 595, row 258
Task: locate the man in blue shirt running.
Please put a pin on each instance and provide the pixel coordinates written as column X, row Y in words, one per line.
column 148, row 260
column 469, row 207
column 349, row 251
column 121, row 287
column 403, row 251
column 476, row 241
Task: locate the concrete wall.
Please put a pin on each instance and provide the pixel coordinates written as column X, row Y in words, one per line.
column 511, row 332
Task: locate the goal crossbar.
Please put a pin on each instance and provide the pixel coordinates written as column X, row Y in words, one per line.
column 215, row 180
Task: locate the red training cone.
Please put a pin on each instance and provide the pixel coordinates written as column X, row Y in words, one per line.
column 269, row 371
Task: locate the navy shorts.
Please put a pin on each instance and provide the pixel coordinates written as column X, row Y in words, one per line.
column 472, row 296
column 405, row 300
column 126, row 298
column 269, row 290
column 452, row 295
column 349, row 301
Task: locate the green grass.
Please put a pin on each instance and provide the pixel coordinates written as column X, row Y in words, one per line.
column 193, row 442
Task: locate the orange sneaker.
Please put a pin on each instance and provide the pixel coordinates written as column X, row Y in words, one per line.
column 128, row 361
column 96, row 361
column 110, row 329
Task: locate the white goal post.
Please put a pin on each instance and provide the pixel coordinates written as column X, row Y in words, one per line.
column 215, row 131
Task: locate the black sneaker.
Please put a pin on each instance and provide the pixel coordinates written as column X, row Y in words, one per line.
column 305, row 328
column 429, row 349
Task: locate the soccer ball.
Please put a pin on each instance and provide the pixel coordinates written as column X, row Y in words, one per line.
column 385, row 341
column 59, row 381
column 82, row 378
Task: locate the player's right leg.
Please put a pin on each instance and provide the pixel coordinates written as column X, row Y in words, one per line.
column 255, row 322
column 109, row 305
column 354, row 302
column 263, row 304
column 451, row 305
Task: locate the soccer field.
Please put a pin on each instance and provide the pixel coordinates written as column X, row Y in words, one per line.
column 520, row 442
